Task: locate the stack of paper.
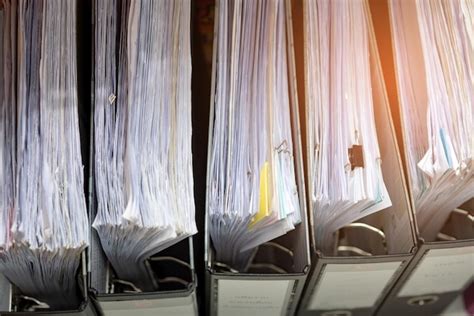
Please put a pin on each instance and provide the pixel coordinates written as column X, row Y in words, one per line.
column 43, row 225
column 142, row 119
column 346, row 180
column 434, row 57
column 252, row 193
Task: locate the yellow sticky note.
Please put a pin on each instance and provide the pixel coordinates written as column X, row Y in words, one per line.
column 264, row 195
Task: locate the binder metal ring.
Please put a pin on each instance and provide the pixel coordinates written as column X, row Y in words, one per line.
column 169, row 258
column 337, row 313
column 278, row 246
column 37, row 304
column 269, row 266
column 355, row 250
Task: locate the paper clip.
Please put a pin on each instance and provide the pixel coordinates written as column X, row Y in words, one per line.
column 283, row 147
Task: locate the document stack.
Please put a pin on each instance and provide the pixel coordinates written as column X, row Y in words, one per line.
column 43, row 216
column 142, row 126
column 346, row 182
column 252, row 195
column 434, row 59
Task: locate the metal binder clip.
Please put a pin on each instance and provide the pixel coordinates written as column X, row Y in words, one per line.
column 356, row 156
column 29, row 304
column 360, row 239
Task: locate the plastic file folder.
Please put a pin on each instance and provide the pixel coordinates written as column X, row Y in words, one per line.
column 276, row 273
column 370, row 254
column 443, row 266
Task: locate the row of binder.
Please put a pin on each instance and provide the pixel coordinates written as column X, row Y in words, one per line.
column 340, row 174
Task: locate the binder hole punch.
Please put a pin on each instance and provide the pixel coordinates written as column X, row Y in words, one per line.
column 422, row 300
column 337, row 313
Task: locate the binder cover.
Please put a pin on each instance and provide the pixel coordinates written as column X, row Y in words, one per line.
column 357, row 285
column 177, row 259
column 440, row 270
column 263, row 292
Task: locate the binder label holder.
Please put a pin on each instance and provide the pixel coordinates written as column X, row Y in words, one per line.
column 262, row 297
column 351, row 286
column 443, row 270
column 182, row 306
column 269, row 288
column 376, row 249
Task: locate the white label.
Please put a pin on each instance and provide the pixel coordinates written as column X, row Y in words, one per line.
column 178, row 306
column 253, row 297
column 347, row 286
column 440, row 271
